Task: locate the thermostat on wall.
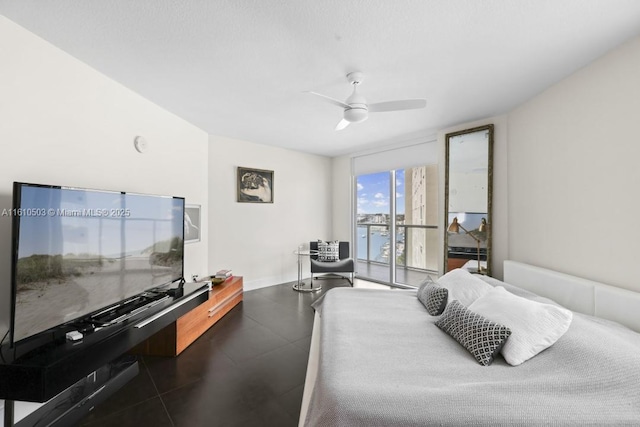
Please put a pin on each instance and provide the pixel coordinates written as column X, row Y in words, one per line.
column 140, row 142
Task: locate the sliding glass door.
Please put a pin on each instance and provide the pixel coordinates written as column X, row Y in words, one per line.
column 373, row 220
column 396, row 220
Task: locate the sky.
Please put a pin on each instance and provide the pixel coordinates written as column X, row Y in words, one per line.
column 43, row 230
column 373, row 192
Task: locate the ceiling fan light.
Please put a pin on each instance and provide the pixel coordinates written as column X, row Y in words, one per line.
column 355, row 115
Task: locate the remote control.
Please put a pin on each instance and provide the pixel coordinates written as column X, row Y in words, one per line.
column 74, row 336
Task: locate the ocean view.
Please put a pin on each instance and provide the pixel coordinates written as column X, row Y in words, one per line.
column 378, row 243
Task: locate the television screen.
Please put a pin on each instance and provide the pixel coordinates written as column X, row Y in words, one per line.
column 76, row 251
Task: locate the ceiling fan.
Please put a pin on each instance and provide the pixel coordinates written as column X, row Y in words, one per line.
column 357, row 110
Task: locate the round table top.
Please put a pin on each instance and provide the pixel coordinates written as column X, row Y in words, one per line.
column 306, row 252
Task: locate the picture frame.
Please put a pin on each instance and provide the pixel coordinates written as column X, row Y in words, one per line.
column 192, row 223
column 254, row 185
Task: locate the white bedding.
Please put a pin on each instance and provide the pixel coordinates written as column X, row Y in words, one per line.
column 381, row 361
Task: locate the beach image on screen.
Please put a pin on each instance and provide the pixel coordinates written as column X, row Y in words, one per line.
column 81, row 250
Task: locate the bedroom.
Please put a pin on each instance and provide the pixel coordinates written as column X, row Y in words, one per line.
column 580, row 132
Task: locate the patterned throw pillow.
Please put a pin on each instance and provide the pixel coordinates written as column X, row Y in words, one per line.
column 482, row 337
column 433, row 297
column 328, row 251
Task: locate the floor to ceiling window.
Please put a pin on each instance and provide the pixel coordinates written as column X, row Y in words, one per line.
column 396, row 221
column 373, row 220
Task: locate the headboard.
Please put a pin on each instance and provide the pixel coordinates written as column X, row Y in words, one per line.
column 576, row 294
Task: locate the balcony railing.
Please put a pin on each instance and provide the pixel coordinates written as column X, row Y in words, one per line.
column 415, row 247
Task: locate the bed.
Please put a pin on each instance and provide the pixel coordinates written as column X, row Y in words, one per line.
column 378, row 359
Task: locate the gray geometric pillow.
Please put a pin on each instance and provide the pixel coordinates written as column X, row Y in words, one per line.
column 328, row 251
column 433, row 297
column 482, row 337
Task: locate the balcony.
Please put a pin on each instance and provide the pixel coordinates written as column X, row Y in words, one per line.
column 415, row 253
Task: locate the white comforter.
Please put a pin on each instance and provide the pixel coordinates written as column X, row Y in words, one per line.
column 383, row 362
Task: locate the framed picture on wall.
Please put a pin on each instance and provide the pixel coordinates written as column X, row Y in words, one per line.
column 191, row 223
column 255, row 185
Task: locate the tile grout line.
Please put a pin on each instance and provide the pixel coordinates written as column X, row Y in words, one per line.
column 166, row 411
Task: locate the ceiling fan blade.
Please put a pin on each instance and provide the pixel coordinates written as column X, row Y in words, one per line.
column 342, row 124
column 328, row 98
column 407, row 104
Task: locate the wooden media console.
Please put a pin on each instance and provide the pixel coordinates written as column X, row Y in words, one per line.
column 177, row 336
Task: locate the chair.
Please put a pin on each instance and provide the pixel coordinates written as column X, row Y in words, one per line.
column 344, row 265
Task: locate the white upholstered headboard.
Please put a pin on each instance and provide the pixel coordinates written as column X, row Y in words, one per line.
column 576, row 294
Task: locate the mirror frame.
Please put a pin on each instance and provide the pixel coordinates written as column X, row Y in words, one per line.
column 489, row 129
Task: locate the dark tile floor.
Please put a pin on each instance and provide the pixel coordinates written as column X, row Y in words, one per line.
column 247, row 370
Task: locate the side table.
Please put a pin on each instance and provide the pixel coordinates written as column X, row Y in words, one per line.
column 300, row 286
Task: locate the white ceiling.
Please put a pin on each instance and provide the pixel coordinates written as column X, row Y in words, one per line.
column 238, row 68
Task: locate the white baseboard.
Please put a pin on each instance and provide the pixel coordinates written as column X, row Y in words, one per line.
column 265, row 282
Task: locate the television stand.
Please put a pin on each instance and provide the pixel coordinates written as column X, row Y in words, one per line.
column 42, row 373
column 71, row 405
column 177, row 336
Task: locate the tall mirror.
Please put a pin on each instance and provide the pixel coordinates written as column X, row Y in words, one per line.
column 468, row 182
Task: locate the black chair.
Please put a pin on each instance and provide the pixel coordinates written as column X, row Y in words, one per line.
column 344, row 265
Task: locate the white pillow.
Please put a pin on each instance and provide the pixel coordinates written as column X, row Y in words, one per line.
column 463, row 286
column 534, row 326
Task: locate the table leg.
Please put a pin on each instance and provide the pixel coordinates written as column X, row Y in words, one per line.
column 300, row 282
column 300, row 285
column 8, row 413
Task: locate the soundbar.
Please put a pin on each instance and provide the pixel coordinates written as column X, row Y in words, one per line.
column 169, row 309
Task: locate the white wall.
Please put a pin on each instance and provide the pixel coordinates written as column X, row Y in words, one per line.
column 257, row 240
column 64, row 123
column 574, row 173
column 342, row 198
column 500, row 220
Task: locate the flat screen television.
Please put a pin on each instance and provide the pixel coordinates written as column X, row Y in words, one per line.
column 76, row 251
